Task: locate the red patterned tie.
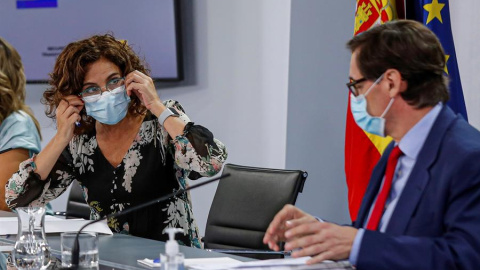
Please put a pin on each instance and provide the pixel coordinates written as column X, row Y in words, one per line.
column 383, row 195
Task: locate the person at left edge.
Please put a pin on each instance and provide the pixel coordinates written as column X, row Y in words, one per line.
column 19, row 129
column 126, row 149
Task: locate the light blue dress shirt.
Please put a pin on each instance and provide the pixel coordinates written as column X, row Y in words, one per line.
column 410, row 144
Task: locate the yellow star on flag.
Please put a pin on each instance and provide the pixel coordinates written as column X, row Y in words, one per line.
column 446, row 60
column 434, row 11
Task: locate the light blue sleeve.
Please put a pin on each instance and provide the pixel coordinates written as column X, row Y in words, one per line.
column 356, row 247
column 19, row 131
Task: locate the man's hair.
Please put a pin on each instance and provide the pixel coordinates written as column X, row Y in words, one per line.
column 71, row 66
column 413, row 50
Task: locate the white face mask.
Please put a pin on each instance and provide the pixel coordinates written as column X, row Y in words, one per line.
column 370, row 124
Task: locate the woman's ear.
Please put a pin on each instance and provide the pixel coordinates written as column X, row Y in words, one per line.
column 395, row 82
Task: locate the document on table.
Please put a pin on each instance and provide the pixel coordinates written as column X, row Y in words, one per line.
column 252, row 264
column 9, row 225
column 198, row 261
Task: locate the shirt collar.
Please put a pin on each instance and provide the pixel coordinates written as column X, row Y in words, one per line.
column 413, row 141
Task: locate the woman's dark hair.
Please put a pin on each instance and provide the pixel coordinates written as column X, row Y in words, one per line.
column 71, row 66
column 413, row 50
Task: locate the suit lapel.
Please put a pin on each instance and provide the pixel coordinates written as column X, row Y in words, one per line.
column 420, row 175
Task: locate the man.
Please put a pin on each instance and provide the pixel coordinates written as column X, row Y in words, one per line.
column 421, row 209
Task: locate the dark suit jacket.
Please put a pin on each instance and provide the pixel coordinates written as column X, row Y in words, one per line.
column 436, row 223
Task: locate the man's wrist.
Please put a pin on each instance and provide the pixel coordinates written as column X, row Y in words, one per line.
column 353, row 258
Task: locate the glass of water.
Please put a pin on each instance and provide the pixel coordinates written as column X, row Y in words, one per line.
column 88, row 242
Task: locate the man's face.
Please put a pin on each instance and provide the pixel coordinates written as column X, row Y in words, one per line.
column 377, row 98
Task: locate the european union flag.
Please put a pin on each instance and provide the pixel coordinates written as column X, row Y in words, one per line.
column 435, row 14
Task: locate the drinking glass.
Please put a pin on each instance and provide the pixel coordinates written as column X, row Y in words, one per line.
column 88, row 243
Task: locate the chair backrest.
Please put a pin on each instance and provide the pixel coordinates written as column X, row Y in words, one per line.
column 245, row 204
column 77, row 207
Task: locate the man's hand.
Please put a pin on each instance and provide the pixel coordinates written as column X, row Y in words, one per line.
column 321, row 240
column 276, row 230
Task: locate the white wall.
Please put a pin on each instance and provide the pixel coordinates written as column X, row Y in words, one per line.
column 317, row 103
column 466, row 35
column 241, row 50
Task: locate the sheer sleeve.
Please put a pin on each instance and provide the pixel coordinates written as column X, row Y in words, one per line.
column 196, row 150
column 25, row 188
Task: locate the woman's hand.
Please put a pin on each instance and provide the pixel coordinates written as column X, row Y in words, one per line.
column 67, row 113
column 144, row 88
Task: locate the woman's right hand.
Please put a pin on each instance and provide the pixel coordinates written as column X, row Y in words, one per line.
column 67, row 113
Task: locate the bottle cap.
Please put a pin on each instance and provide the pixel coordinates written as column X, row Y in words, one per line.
column 171, row 248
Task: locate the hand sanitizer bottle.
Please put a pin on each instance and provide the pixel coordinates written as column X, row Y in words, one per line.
column 172, row 259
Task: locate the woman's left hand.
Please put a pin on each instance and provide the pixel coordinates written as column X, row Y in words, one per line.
column 144, row 88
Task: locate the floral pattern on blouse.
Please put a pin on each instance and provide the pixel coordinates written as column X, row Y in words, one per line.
column 155, row 165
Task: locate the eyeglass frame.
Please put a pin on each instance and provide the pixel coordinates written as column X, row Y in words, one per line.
column 353, row 83
column 102, row 87
column 353, row 89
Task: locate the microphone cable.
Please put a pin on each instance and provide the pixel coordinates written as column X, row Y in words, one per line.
column 76, row 246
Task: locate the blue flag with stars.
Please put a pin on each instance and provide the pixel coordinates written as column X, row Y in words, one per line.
column 435, row 14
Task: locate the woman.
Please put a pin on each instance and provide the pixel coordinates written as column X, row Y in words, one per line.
column 19, row 130
column 120, row 141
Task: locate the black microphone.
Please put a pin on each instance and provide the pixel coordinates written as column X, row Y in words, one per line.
column 76, row 245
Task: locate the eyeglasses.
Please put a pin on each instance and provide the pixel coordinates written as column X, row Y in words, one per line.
column 93, row 93
column 352, row 85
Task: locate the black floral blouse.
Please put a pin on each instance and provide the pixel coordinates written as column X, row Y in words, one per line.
column 154, row 165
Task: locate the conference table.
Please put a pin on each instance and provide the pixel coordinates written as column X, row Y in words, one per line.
column 120, row 251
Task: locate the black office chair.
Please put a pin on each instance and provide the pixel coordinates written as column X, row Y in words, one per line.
column 77, row 207
column 245, row 204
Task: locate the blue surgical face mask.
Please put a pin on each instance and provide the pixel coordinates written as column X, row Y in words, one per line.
column 370, row 124
column 110, row 108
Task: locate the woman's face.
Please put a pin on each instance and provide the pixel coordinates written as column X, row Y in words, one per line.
column 99, row 73
column 107, row 108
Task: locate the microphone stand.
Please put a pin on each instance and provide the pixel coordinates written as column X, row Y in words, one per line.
column 76, row 245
